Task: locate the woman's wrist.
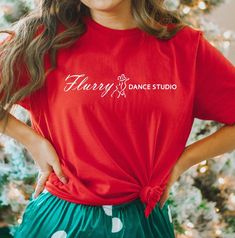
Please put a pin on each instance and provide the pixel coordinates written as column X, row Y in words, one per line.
column 186, row 160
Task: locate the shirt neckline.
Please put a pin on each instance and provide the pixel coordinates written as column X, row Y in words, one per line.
column 110, row 31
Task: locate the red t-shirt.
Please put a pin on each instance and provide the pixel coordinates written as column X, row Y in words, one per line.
column 120, row 106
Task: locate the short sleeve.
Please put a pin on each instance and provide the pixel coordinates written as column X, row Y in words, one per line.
column 21, row 76
column 214, row 84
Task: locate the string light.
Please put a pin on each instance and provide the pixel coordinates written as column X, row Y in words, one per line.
column 190, row 224
column 218, row 232
column 19, row 220
column 221, row 180
column 202, row 5
column 227, row 34
column 203, row 169
column 186, row 10
column 226, row 44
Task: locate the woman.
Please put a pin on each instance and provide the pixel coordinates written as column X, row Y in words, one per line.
column 112, row 88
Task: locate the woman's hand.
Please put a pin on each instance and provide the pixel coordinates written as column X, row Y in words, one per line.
column 46, row 159
column 175, row 174
column 40, row 148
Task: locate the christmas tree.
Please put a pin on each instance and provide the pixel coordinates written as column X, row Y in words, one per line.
column 202, row 201
column 203, row 198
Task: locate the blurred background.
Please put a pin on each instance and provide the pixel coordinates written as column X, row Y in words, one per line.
column 224, row 17
column 202, row 201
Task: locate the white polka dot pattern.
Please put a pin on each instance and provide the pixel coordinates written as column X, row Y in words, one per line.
column 116, row 225
column 108, row 210
column 169, row 213
column 59, row 234
column 116, row 222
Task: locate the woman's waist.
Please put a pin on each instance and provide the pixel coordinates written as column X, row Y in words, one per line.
column 109, row 191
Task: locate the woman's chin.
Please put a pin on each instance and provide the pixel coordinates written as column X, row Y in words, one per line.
column 102, row 5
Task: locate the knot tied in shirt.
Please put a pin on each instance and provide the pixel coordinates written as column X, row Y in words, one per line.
column 150, row 196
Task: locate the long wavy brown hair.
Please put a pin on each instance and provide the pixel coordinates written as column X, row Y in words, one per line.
column 25, row 48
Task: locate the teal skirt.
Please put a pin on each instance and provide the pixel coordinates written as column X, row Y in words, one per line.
column 48, row 216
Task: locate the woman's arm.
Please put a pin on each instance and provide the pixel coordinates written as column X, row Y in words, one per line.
column 220, row 142
column 40, row 148
column 20, row 132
